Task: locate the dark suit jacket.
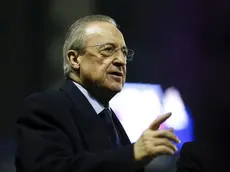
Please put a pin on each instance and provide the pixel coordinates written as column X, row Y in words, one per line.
column 59, row 131
column 195, row 157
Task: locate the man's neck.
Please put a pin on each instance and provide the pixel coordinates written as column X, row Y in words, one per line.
column 100, row 94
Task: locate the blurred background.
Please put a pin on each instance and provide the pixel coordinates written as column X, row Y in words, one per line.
column 184, row 44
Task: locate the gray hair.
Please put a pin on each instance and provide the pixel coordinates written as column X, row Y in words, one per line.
column 75, row 37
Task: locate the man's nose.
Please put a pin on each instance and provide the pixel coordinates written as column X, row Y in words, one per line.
column 120, row 58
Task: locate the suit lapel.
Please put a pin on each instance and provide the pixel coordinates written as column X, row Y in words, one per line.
column 88, row 122
column 124, row 137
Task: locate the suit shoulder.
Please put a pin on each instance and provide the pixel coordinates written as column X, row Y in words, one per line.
column 46, row 102
column 47, row 97
column 43, row 95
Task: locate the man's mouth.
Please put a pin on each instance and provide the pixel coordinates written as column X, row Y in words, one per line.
column 115, row 73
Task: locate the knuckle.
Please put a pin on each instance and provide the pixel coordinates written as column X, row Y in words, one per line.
column 147, row 132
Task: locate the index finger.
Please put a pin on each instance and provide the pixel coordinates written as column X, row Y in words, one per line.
column 159, row 120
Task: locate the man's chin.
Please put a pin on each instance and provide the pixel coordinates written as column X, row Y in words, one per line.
column 111, row 91
column 115, row 87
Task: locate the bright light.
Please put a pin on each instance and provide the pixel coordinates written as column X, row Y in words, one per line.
column 137, row 105
column 172, row 102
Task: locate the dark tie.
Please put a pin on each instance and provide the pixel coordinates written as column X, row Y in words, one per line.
column 107, row 117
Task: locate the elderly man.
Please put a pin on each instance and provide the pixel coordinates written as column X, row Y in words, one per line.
column 73, row 129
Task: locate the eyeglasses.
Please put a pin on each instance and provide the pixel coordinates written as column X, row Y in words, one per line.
column 109, row 49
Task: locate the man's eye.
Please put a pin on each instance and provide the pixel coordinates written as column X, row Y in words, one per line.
column 108, row 49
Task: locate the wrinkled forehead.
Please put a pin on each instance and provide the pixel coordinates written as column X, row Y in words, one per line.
column 103, row 32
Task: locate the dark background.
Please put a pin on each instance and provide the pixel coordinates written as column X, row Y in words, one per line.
column 178, row 43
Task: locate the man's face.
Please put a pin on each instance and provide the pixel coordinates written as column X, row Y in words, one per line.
column 97, row 66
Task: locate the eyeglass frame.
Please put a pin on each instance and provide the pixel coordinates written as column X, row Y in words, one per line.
column 114, row 51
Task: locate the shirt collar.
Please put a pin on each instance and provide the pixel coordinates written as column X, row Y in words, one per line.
column 97, row 106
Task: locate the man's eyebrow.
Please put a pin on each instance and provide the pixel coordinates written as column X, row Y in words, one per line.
column 113, row 44
column 124, row 46
column 110, row 43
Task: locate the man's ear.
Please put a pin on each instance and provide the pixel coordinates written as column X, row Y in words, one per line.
column 73, row 58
